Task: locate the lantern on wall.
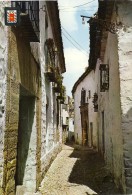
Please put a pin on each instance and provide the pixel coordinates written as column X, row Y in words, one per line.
column 95, row 102
column 104, row 77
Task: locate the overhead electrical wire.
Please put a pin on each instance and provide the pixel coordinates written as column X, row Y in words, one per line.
column 78, row 5
column 79, row 11
column 73, row 44
column 73, row 39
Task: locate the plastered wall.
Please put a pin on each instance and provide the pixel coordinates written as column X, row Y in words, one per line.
column 125, row 69
column 88, row 83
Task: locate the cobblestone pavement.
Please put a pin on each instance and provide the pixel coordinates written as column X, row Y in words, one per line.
column 77, row 172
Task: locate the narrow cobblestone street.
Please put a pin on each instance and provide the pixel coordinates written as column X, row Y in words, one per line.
column 77, row 171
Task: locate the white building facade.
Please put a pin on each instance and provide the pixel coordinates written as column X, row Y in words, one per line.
column 110, row 59
column 85, row 83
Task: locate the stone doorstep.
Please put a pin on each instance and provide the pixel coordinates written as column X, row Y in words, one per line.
column 21, row 190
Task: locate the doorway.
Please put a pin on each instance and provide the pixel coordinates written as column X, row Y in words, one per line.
column 26, row 131
column 84, row 124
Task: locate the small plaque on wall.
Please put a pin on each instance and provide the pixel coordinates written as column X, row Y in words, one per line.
column 12, row 16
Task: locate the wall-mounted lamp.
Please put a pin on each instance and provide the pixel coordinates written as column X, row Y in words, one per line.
column 83, row 21
column 83, row 18
column 108, row 26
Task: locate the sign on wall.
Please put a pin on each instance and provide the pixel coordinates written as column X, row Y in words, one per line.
column 12, row 16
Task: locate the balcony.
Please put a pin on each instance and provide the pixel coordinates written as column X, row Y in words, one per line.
column 56, row 88
column 61, row 97
column 29, row 16
column 50, row 70
column 58, row 85
column 62, row 101
column 50, row 73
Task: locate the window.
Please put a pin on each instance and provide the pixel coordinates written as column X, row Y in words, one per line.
column 104, row 77
column 95, row 102
column 89, row 94
column 83, row 96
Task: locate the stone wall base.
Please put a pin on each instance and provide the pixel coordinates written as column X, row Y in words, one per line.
column 47, row 159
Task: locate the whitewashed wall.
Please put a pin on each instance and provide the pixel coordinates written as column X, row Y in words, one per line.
column 71, row 124
column 71, row 129
column 49, row 146
column 125, row 69
column 117, row 102
column 64, row 116
column 88, row 83
column 109, row 102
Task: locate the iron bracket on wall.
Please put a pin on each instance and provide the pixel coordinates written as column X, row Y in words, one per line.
column 109, row 26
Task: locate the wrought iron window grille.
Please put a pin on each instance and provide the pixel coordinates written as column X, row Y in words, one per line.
column 83, row 96
column 95, row 102
column 104, row 77
column 50, row 52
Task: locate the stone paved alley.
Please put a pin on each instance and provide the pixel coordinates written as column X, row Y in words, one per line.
column 77, row 171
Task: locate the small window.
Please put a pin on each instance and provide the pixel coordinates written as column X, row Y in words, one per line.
column 89, row 94
column 83, row 96
column 104, row 77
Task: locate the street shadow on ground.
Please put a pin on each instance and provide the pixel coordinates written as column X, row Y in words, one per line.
column 90, row 170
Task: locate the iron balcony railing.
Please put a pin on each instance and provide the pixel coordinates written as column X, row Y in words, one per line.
column 50, row 54
column 30, row 8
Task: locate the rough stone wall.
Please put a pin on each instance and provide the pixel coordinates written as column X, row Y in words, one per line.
column 88, row 83
column 23, row 69
column 55, row 117
column 125, row 68
column 50, row 146
column 3, row 78
column 43, row 90
column 38, row 148
column 49, row 117
column 20, row 70
column 109, row 102
column 11, row 123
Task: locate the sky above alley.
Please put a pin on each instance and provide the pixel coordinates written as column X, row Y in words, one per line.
column 75, row 37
